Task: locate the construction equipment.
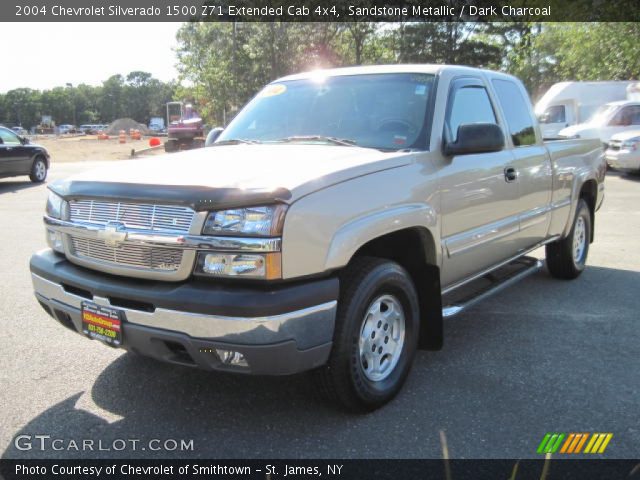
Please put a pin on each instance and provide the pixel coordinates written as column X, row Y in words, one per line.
column 46, row 126
column 185, row 129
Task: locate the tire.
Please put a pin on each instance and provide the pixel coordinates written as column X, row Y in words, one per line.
column 39, row 170
column 171, row 146
column 354, row 377
column 567, row 257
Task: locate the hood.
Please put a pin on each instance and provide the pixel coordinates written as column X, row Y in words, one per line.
column 624, row 136
column 584, row 130
column 232, row 175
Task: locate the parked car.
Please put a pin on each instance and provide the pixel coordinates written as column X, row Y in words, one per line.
column 612, row 118
column 66, row 128
column 19, row 157
column 325, row 229
column 624, row 151
column 19, row 130
column 570, row 103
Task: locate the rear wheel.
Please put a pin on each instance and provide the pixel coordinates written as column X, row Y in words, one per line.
column 171, row 145
column 375, row 337
column 567, row 258
column 38, row 170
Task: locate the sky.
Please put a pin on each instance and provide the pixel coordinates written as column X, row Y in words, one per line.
column 46, row 55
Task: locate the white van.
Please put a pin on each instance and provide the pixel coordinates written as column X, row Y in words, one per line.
column 569, row 103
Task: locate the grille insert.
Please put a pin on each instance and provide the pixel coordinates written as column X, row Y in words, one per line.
column 134, row 215
column 137, row 256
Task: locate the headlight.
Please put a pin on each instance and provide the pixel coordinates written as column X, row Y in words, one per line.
column 264, row 266
column 54, row 205
column 252, row 221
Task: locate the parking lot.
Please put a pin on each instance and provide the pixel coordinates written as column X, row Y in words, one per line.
column 542, row 356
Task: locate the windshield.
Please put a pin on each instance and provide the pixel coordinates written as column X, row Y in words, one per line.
column 602, row 114
column 384, row 111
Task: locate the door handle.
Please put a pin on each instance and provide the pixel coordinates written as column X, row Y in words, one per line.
column 510, row 174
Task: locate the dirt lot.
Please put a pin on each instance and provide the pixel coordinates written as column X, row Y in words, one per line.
column 89, row 148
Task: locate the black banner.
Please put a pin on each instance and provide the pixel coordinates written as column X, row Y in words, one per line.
column 328, row 469
column 319, row 10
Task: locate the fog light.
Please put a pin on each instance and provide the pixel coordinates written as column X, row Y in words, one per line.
column 54, row 240
column 229, row 357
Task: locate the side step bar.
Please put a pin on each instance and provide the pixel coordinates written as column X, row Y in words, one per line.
column 494, row 282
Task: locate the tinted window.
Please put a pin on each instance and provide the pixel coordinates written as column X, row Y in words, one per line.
column 8, row 137
column 553, row 114
column 471, row 104
column 627, row 116
column 517, row 113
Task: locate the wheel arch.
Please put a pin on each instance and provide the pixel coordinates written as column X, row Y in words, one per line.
column 415, row 249
column 40, row 154
column 589, row 193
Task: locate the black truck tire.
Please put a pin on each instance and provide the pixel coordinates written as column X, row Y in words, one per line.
column 567, row 257
column 375, row 338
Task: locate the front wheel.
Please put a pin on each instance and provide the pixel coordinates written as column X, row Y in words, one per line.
column 567, row 257
column 38, row 172
column 376, row 335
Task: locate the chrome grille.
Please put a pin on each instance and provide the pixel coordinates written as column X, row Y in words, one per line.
column 128, row 255
column 133, row 215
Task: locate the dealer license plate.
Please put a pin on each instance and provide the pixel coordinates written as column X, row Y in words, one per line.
column 102, row 323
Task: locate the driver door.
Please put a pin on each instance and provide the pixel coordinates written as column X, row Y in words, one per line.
column 479, row 205
column 14, row 157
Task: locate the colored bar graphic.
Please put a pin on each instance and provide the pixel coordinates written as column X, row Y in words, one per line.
column 581, row 443
column 568, row 443
column 597, row 443
column 551, row 442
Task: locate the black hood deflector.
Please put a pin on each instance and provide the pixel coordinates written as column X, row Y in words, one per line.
column 198, row 198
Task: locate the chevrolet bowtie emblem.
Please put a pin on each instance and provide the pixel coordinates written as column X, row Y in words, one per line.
column 113, row 234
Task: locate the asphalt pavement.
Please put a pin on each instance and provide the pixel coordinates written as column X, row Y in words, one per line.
column 542, row 356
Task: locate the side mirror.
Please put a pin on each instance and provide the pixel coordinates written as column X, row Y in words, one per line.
column 25, row 140
column 476, row 138
column 212, row 136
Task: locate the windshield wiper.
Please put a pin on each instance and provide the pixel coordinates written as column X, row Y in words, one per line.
column 236, row 141
column 314, row 138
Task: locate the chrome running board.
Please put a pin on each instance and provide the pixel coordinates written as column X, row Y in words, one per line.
column 497, row 281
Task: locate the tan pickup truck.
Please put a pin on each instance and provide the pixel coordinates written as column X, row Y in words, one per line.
column 332, row 226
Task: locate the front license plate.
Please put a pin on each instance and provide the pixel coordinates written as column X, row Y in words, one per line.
column 102, row 323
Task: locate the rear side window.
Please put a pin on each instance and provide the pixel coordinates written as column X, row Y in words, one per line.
column 471, row 104
column 516, row 111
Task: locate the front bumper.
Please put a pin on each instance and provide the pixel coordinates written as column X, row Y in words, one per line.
column 279, row 329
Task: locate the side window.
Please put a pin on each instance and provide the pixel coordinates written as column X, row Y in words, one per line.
column 553, row 114
column 517, row 112
column 471, row 104
column 9, row 138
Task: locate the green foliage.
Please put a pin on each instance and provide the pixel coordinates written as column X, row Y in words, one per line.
column 138, row 96
column 225, row 64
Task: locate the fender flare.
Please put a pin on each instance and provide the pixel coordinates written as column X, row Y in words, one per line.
column 354, row 234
